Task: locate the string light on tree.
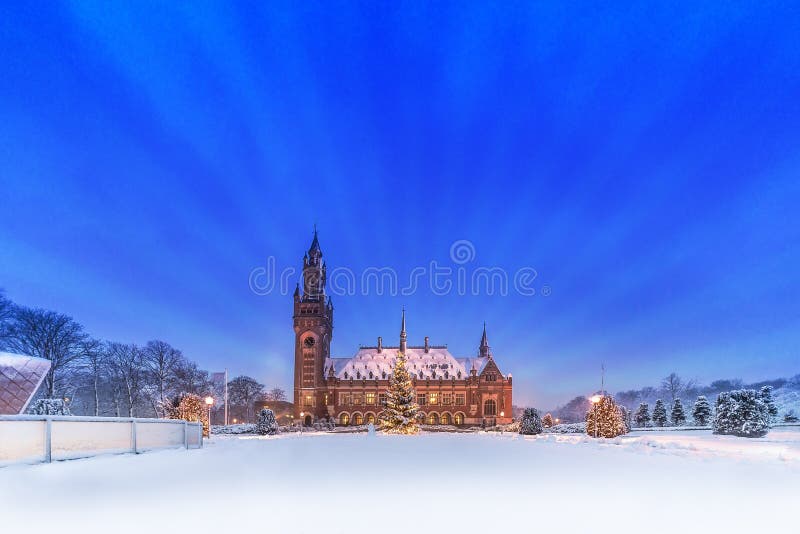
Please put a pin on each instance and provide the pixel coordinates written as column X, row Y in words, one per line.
column 400, row 414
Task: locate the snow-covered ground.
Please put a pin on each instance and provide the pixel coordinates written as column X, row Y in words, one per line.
column 352, row 483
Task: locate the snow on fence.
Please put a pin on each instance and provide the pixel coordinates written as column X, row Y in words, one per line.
column 44, row 438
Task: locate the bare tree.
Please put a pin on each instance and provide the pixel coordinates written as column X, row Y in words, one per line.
column 126, row 363
column 95, row 365
column 189, row 378
column 49, row 335
column 162, row 361
column 6, row 314
column 275, row 394
column 676, row 386
column 243, row 391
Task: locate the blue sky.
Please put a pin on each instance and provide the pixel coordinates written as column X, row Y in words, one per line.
column 643, row 159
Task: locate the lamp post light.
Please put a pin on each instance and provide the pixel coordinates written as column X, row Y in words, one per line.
column 302, row 415
column 209, row 403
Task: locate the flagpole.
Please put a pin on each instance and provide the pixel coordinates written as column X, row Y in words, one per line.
column 226, row 397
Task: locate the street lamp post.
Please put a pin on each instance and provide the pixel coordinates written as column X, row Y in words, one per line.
column 302, row 421
column 209, row 403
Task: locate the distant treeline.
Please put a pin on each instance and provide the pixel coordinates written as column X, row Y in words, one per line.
column 671, row 387
column 106, row 378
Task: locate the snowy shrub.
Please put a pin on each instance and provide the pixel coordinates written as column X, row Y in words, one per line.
column 659, row 414
column 701, row 411
column 188, row 407
column 642, row 415
column 567, row 428
column 741, row 413
column 547, row 421
column 266, row 423
column 605, row 419
column 766, row 397
column 531, row 423
column 239, row 428
column 790, row 417
column 677, row 416
column 50, row 407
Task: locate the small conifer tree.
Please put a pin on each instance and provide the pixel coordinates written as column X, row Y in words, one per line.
column 642, row 415
column 266, row 423
column 769, row 402
column 677, row 416
column 701, row 412
column 659, row 414
column 605, row 419
column 547, row 421
column 531, row 423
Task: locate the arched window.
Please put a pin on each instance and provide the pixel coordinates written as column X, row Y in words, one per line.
column 371, row 418
column 490, row 407
column 358, row 419
column 433, row 419
column 344, row 419
column 459, row 419
column 446, row 419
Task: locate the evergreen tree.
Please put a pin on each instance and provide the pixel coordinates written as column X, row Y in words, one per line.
column 266, row 424
column 701, row 411
column 642, row 415
column 400, row 413
column 677, row 415
column 741, row 413
column 531, row 423
column 659, row 414
column 605, row 419
column 547, row 421
column 769, row 402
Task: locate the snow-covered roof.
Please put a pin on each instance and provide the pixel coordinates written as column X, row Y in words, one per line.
column 436, row 363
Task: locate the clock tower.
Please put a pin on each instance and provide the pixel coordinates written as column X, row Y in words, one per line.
column 313, row 329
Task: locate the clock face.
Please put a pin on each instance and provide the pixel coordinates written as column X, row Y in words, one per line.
column 309, row 342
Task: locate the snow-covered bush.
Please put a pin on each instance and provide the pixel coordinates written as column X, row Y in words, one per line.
column 531, row 423
column 790, row 417
column 266, row 423
column 567, row 428
column 642, row 415
column 741, row 413
column 677, row 416
column 50, row 407
column 239, row 428
column 605, row 419
column 659, row 414
column 701, row 412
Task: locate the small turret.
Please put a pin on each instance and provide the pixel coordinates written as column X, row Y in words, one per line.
column 484, row 347
column 403, row 336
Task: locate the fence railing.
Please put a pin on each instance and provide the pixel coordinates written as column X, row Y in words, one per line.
column 44, row 438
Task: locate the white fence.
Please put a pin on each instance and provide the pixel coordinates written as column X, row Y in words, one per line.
column 44, row 438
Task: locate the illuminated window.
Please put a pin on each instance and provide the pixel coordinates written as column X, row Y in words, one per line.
column 433, row 419
column 433, row 398
column 459, row 419
column 460, row 399
column 490, row 407
column 344, row 419
column 370, row 398
column 327, row 399
column 447, row 399
column 358, row 399
column 446, row 419
column 344, row 399
column 308, row 400
column 421, row 398
column 382, row 399
column 358, row 419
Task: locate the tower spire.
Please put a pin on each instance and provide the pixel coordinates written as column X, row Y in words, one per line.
column 484, row 347
column 403, row 335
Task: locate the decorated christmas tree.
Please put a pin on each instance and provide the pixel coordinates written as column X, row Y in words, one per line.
column 547, row 421
column 399, row 416
column 642, row 415
column 266, row 423
column 189, row 407
column 605, row 419
column 677, row 416
column 531, row 423
column 701, row 412
column 659, row 414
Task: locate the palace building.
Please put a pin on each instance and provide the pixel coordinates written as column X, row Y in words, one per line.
column 350, row 391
